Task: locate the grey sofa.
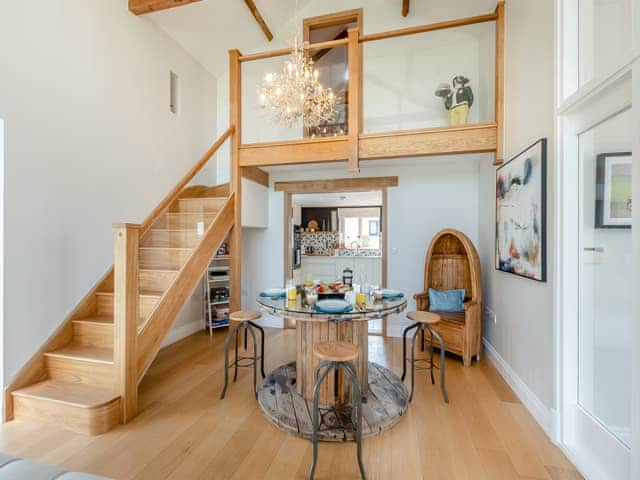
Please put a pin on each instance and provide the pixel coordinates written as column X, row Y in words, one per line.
column 12, row 468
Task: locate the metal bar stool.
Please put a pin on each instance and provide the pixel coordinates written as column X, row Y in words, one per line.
column 423, row 321
column 334, row 356
column 243, row 319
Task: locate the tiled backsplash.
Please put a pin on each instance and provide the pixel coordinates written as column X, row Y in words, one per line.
column 364, row 252
column 322, row 242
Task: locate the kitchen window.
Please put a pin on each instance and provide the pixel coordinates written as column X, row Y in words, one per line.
column 360, row 227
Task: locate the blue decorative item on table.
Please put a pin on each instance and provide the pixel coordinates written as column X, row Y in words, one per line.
column 274, row 293
column 333, row 306
column 389, row 294
column 446, row 300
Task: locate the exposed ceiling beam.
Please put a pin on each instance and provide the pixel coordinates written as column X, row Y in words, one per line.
column 140, row 7
column 405, row 7
column 256, row 14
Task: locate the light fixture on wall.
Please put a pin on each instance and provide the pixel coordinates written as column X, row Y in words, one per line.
column 296, row 94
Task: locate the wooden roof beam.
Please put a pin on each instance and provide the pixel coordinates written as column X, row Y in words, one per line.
column 140, row 7
column 405, row 7
column 256, row 14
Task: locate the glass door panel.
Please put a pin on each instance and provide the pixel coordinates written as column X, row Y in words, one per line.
column 605, row 275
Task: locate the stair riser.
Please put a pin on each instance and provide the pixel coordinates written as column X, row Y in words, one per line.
column 163, row 259
column 182, row 220
column 155, row 280
column 80, row 371
column 93, row 334
column 104, row 305
column 146, row 304
column 201, row 204
column 168, row 238
column 87, row 421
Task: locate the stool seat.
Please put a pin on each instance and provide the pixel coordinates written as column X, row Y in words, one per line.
column 244, row 316
column 429, row 318
column 336, row 351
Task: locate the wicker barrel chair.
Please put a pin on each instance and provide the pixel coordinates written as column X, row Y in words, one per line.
column 452, row 262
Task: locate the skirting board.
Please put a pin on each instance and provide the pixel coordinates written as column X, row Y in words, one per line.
column 542, row 414
column 182, row 331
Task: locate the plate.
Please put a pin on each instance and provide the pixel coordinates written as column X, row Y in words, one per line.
column 333, row 306
column 388, row 293
column 273, row 293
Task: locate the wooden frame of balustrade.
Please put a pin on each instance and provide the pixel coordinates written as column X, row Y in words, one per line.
column 356, row 146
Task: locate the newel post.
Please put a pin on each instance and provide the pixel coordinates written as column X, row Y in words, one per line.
column 125, row 316
column 355, row 98
column 235, row 119
column 499, row 85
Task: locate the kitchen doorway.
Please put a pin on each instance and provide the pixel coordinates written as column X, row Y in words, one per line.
column 336, row 228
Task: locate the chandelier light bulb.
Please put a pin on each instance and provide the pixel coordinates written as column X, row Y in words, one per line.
column 297, row 95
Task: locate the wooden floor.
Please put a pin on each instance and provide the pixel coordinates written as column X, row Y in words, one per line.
column 185, row 432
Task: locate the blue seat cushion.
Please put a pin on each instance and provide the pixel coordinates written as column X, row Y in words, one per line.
column 446, row 300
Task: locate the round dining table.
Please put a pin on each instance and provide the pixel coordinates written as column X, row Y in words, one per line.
column 314, row 327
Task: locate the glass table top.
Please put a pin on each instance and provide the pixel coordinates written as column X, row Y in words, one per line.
column 296, row 309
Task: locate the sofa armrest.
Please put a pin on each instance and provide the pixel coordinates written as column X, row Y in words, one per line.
column 422, row 301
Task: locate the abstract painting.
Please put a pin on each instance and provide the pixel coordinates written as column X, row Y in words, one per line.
column 521, row 213
column 613, row 190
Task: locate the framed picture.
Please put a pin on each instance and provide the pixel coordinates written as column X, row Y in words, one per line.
column 613, row 190
column 521, row 213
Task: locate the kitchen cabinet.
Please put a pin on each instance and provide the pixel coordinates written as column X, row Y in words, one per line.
column 329, row 269
column 320, row 215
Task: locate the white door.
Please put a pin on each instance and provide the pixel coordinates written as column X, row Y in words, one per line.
column 598, row 326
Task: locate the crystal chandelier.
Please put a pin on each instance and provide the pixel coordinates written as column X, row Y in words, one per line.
column 296, row 93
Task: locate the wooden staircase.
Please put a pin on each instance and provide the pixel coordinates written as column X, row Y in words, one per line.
column 85, row 377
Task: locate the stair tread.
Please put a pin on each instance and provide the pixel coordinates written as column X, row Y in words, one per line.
column 71, row 393
column 101, row 319
column 165, row 248
column 84, row 352
column 160, row 270
column 195, row 230
column 202, row 198
column 142, row 293
column 203, row 212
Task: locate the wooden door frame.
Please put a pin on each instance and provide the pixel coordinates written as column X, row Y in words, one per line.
column 338, row 18
column 337, row 185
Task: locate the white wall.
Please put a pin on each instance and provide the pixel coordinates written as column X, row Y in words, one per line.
column 434, row 193
column 1, row 251
column 523, row 334
column 89, row 141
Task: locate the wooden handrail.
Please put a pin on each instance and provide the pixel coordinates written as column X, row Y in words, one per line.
column 173, row 299
column 285, row 51
column 460, row 22
column 175, row 192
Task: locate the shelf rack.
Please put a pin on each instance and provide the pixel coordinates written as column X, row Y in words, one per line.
column 216, row 277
